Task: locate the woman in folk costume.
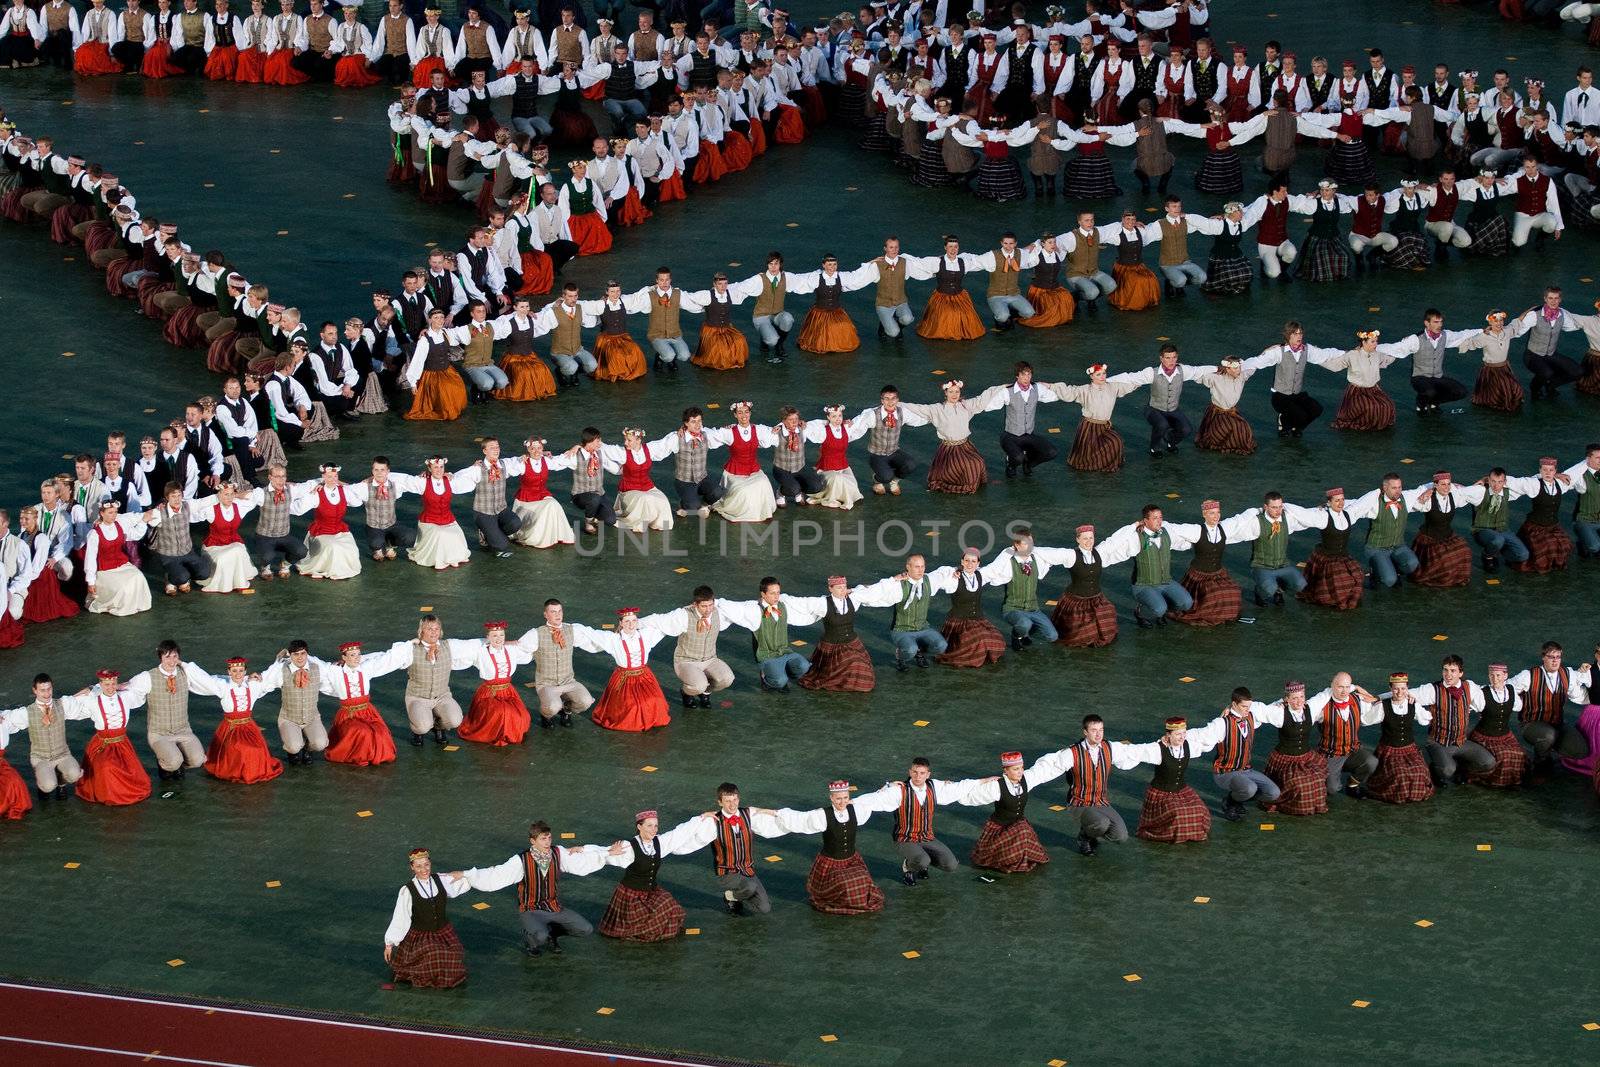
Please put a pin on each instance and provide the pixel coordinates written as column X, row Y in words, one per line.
column 640, row 910
column 1008, row 842
column 632, row 700
column 1497, row 387
column 640, row 505
column 438, row 393
column 949, row 315
column 223, row 31
column 45, row 602
column 115, row 585
column 1137, row 287
column 1173, row 812
column 1493, row 732
column 1443, row 558
column 98, row 29
column 112, row 773
column 1088, row 173
column 1110, row 84
column 840, row 663
column 1402, row 776
column 839, row 882
column 431, row 50
column 420, row 946
column 827, row 327
column 158, row 55
column 1083, row 617
column 402, row 168
column 1222, row 428
column 1348, row 159
column 585, row 204
column 855, row 84
column 440, row 542
column 254, row 35
column 883, row 97
column 999, row 176
column 1334, row 578
column 631, row 211
column 287, row 31
column 1325, row 254
column 14, row 799
column 1589, row 383
column 1220, row 172
column 931, row 171
column 1053, row 303
column 359, row 735
column 1217, row 598
column 528, row 378
column 497, row 715
column 1364, row 406
column 544, row 522
column 331, row 549
column 1228, row 271
column 747, row 493
column 231, row 568
column 618, row 356
column 353, row 44
column 571, row 121
column 1408, row 211
column 1298, row 769
column 971, row 639
column 957, row 465
column 1097, row 446
column 833, row 434
column 1486, row 221
column 1549, row 547
column 238, row 752
column 721, row 345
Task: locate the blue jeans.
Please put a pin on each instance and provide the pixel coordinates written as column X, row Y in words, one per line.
column 776, row 672
column 1242, row 785
column 1182, row 274
column 623, row 112
column 1003, row 308
column 1588, row 536
column 1383, row 562
column 1268, row 581
column 908, row 643
column 533, row 125
column 894, row 319
column 1154, row 601
column 1501, row 543
column 486, row 378
column 1090, row 286
column 769, row 326
column 1024, row 623
column 569, row 364
column 133, row 277
column 671, row 349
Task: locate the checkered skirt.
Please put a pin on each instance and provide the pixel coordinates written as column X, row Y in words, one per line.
column 430, row 959
column 642, row 915
column 840, row 668
column 1227, row 274
column 1333, row 581
column 1510, row 761
column 843, row 887
column 1217, row 599
column 1326, row 259
column 1304, row 781
column 1402, row 776
column 1085, row 621
column 971, row 643
column 1443, row 563
column 1012, row 848
column 1548, row 547
column 1411, row 253
column 1174, row 817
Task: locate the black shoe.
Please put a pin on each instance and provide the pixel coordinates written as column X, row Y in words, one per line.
column 1260, row 600
column 1172, row 447
column 703, row 700
column 1440, row 781
column 547, row 722
column 1491, row 564
column 554, row 947
column 1232, row 810
column 883, row 334
column 920, row 659
column 908, row 878
column 1277, row 598
column 565, row 719
column 1090, row 305
column 305, row 757
column 1355, row 791
column 1087, row 846
column 735, row 908
column 1143, row 623
column 439, row 736
column 688, row 701
column 61, row 793
column 1027, row 468
column 177, row 775
column 531, row 950
column 900, row 665
column 1016, row 643
column 416, row 739
column 44, row 794
column 1011, row 470
column 1155, row 451
column 166, row 775
column 1295, row 432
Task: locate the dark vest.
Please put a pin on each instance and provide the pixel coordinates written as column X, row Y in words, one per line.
column 641, row 873
column 427, row 913
column 839, row 838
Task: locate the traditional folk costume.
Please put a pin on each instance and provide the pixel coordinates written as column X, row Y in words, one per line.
column 839, row 486
column 119, row 587
column 300, row 725
column 971, row 639
column 1497, row 387
column 14, row 799
column 1443, row 558
column 1544, row 695
column 1364, row 406
column 721, row 345
column 1217, row 598
column 949, row 315
column 746, row 493
column 1007, row 842
column 827, row 327
column 1084, row 617
column 331, row 549
column 1173, row 812
column 111, row 770
column 441, row 544
column 840, row 663
column 1137, row 287
column 359, row 734
column 231, row 567
column 1088, row 174
column 957, row 466
column 438, row 392
column 1097, row 446
column 1053, row 304
column 1549, row 547
column 839, row 882
column 1325, row 254
column 238, row 752
column 1493, row 733
column 632, row 700
column 1402, row 775
column 640, row 910
column 497, row 716
column 426, row 953
column 1295, row 766
column 544, row 521
column 618, row 356
column 1334, row 578
column 640, row 505
column 1222, row 428
column 528, row 378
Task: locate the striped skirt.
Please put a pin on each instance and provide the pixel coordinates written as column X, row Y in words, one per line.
column 1012, row 848
column 1174, row 818
column 1221, row 173
column 1402, row 776
column 1326, row 259
column 1096, row 447
column 1549, row 548
column 1497, row 388
column 1443, row 563
column 971, row 643
column 931, row 172
column 957, row 467
column 1364, row 408
column 1084, row 621
column 1590, row 382
column 1304, row 781
column 1225, row 430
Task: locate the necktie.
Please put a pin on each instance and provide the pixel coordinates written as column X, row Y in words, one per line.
column 172, row 683
column 792, row 442
column 1454, row 691
column 494, row 472
column 594, row 463
column 1276, row 526
column 889, row 419
column 278, row 496
column 382, row 490
column 49, row 715
column 772, row 611
column 558, row 637
column 702, row 624
column 1027, row 567
column 302, row 678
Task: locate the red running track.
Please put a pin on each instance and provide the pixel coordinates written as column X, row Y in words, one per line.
column 48, row 1027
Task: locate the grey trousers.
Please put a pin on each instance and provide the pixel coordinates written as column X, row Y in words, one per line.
column 1098, row 821
column 1358, row 764
column 1443, row 758
column 297, row 738
column 423, row 713
column 536, row 926
column 1248, row 783
column 920, row 855
column 1542, row 737
column 746, row 887
column 48, row 774
column 177, row 750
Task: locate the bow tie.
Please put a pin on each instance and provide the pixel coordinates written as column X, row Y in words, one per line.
column 381, row 490
column 302, row 678
column 278, row 496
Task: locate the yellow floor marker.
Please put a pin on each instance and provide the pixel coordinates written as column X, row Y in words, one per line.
column 71, row 866
column 680, row 570
column 1058, row 807
column 1186, row 679
column 1485, row 848
column 1424, row 923
column 363, row 814
column 174, row 963
column 1441, row 637
column 1361, row 1003
column 1055, row 1063
column 692, row 931
column 911, row 955
column 773, row 859
column 829, row 1039
column 1591, row 1026
column 1131, row 978
column 922, row 722
column 274, row 884
column 648, row 769
column 605, row 1011
column 452, row 748
column 480, row 906
column 1269, row 826
column 568, row 836
column 1202, row 900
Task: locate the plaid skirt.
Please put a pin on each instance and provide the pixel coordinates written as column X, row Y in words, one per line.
column 1220, row 173
column 1012, row 848
column 957, row 468
column 1089, row 178
column 1497, row 388
column 1326, row 259
column 1304, row 781
column 840, row 668
column 642, row 915
column 1225, row 430
column 1333, row 581
column 1402, row 776
column 1443, row 564
column 1590, row 382
column 971, row 643
column 843, row 887
column 1510, row 761
column 430, row 959
column 1549, row 547
column 1364, row 408
column 1411, row 253
column 1096, row 447
column 1085, row 621
column 1491, row 237
column 1000, row 180
column 1174, row 817
column 1217, row 599
column 1229, row 274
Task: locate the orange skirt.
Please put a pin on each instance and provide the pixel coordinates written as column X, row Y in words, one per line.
column 1137, row 287
column 1051, row 307
column 618, row 358
column 828, row 330
column 352, row 72
column 950, row 317
column 758, row 138
column 790, row 127
column 736, row 151
column 633, row 210
column 422, row 73
column 721, row 348
column 632, row 701
column 590, row 233
column 360, row 736
column 14, row 799
column 280, row 70
column 239, row 753
column 155, row 61
column 441, row 395
column 111, row 771
column 497, row 717
column 251, row 67
column 92, row 58
column 538, row 273
column 671, row 189
column 223, row 63
column 709, row 165
column 530, row 378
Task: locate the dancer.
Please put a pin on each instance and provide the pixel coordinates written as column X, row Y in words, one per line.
column 839, row 882
column 1402, row 774
column 957, row 465
column 537, row 872
column 1296, row 767
column 640, row 910
column 359, row 735
column 420, row 946
column 238, row 752
column 1173, row 812
column 497, row 716
column 632, row 700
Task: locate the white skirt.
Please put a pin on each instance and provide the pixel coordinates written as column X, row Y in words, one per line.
column 637, row 509
column 746, row 498
column 120, row 591
column 544, row 523
column 440, row 547
column 231, row 569
column 331, row 556
column 839, row 490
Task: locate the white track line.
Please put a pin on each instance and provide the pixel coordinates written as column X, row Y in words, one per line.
column 156, row 1056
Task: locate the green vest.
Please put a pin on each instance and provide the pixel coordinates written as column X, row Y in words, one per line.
column 580, row 202
column 1272, row 549
column 1589, row 501
column 1387, row 530
column 1491, row 514
column 911, row 615
column 1153, row 564
column 1022, row 593
column 772, row 636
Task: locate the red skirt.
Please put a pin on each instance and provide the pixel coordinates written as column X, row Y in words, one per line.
column 633, row 211
column 1510, row 761
column 14, row 799
column 840, row 668
column 790, row 127
column 709, row 166
column 721, row 348
column 150, row 288
column 618, row 358
column 497, row 716
column 422, row 73
column 111, row 771
column 1013, row 848
column 828, row 330
column 538, row 273
column 642, row 915
column 100, row 236
column 221, row 356
column 1096, row 447
column 1590, row 382
column 45, row 601
column 432, row 185
column 440, row 396
column 590, row 234
column 671, row 189
column 114, row 272
column 1364, row 408
column 758, row 138
column 972, row 643
column 359, row 735
column 950, row 317
column 812, row 105
column 843, row 887
column 1497, row 389
column 1549, row 548
column 1442, row 564
column 632, row 701
column 1085, row 621
column 1051, row 307
column 1333, row 581
column 251, row 68
column 1225, row 431
column 957, row 467
column 91, row 58
column 401, row 171
column 238, row 753
column 1402, row 776
column 181, row 329
column 736, row 151
column 1174, row 818
column 155, row 62
column 10, row 630
column 1304, row 781
column 223, row 63
column 65, row 219
column 430, row 959
column 529, row 378
column 1217, row 599
column 352, row 72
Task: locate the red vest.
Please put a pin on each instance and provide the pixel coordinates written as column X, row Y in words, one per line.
column 330, row 514
column 113, row 549
column 1341, row 734
column 1444, row 204
column 538, row 891
column 1274, row 224
column 1233, row 754
column 224, row 529
column 1089, row 778
column 436, row 505
column 831, row 456
column 1369, row 218
column 535, row 482
column 635, row 475
column 742, row 457
column 913, row 821
column 1531, row 194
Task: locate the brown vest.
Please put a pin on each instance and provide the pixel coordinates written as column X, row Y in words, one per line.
column 644, row 46
column 319, row 32
column 1084, row 259
column 1174, row 242
column 1003, row 279
column 891, row 282
column 47, row 741
column 57, row 18
column 770, row 302
column 568, row 48
column 394, row 36
column 552, row 665
column 298, row 704
column 663, row 316
column 1282, row 129
column 133, row 27
column 567, row 337
column 477, row 38
column 429, row 681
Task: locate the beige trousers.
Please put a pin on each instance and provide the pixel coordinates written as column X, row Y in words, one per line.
column 573, row 697
column 295, row 737
column 51, row 773
column 424, row 712
column 702, row 676
column 177, row 750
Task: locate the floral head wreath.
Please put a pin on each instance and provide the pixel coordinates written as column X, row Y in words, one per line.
column 1367, row 335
